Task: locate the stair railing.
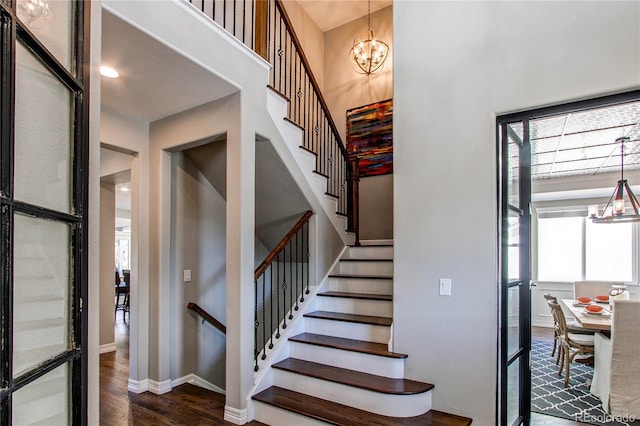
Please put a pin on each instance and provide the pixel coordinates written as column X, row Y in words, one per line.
column 281, row 282
column 265, row 27
column 206, row 316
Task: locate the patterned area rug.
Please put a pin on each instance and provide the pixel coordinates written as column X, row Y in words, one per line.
column 550, row 397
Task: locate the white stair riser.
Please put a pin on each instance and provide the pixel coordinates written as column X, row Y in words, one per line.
column 365, row 268
column 369, row 252
column 360, row 285
column 271, row 415
column 381, row 308
column 366, row 363
column 348, row 330
column 375, row 402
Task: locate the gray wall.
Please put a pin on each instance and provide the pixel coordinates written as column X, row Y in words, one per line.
column 107, row 262
column 376, row 207
column 199, row 244
column 479, row 59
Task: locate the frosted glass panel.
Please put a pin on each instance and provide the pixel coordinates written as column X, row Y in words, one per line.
column 41, row 291
column 50, row 21
column 513, row 320
column 45, row 401
column 42, row 135
column 513, row 397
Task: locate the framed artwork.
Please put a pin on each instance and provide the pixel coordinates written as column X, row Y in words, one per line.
column 370, row 137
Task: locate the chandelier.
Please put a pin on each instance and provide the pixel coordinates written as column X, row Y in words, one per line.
column 614, row 210
column 368, row 54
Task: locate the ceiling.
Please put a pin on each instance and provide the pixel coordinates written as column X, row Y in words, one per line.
column 584, row 143
column 155, row 81
column 329, row 14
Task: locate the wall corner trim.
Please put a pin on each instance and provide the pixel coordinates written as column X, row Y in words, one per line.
column 235, row 416
column 138, row 386
column 107, row 347
column 160, row 388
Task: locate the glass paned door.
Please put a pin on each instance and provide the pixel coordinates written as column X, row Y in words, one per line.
column 515, row 340
column 43, row 200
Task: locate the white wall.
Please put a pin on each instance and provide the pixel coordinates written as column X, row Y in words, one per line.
column 478, row 59
column 345, row 89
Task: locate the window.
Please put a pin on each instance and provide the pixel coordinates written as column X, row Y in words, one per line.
column 573, row 248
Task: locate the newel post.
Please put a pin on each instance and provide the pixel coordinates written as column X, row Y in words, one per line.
column 261, row 28
column 353, row 197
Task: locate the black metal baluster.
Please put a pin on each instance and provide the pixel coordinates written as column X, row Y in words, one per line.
column 306, row 227
column 284, row 288
column 291, row 286
column 301, row 254
column 264, row 308
column 255, row 332
column 298, row 289
column 278, row 299
column 271, row 298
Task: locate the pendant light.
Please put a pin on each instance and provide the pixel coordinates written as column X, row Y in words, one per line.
column 368, row 53
column 615, row 209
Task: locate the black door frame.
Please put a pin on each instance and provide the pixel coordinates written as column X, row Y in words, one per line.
column 525, row 294
column 76, row 80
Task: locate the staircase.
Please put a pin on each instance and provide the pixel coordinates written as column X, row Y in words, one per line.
column 339, row 368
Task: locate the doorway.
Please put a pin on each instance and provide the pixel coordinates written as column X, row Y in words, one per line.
column 568, row 152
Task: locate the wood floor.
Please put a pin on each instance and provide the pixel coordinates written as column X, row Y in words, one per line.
column 188, row 404
column 184, row 405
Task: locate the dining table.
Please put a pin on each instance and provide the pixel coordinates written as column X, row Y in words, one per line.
column 591, row 321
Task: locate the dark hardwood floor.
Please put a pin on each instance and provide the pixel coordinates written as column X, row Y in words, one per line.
column 188, row 404
column 184, row 405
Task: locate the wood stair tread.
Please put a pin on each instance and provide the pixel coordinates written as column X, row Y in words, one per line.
column 348, row 295
column 338, row 414
column 361, row 319
column 362, row 276
column 361, row 346
column 381, row 384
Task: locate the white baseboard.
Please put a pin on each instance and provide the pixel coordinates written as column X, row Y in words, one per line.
column 107, row 347
column 138, row 386
column 235, row 416
column 160, row 388
column 197, row 381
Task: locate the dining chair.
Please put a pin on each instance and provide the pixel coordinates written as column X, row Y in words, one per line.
column 592, row 288
column 122, row 289
column 616, row 374
column 572, row 345
column 572, row 326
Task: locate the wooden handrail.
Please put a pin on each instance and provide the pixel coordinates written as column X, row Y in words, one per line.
column 207, row 317
column 312, row 78
column 267, row 261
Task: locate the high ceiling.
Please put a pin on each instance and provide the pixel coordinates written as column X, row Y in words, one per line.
column 329, row 14
column 584, row 143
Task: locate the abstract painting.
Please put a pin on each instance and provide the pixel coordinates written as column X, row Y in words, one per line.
column 370, row 136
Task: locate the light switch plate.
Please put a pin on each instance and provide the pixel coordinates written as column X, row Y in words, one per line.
column 187, row 275
column 445, row 287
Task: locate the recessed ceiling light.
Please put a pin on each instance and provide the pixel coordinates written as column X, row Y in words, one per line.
column 109, row 72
